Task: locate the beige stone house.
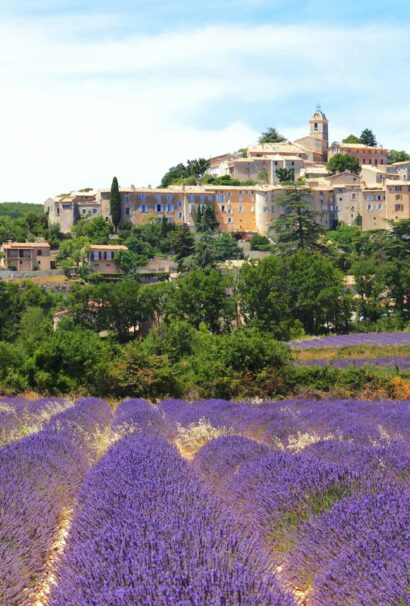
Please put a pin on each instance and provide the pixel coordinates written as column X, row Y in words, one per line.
column 25, row 256
column 103, row 258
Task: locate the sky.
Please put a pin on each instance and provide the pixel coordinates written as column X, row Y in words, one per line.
column 96, row 88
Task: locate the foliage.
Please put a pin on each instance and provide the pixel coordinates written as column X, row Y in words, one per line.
column 15, row 210
column 297, row 227
column 97, row 230
column 285, row 174
column 271, row 135
column 343, row 162
column 194, row 169
column 285, row 294
column 115, row 203
column 397, row 156
column 352, row 139
column 74, row 253
column 368, row 138
column 259, row 242
column 200, row 297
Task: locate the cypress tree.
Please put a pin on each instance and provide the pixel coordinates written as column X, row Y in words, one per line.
column 115, row 204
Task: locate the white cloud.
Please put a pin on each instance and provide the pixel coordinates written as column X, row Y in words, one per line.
column 77, row 106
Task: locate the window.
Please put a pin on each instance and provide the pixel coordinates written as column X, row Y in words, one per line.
column 399, row 207
column 180, row 215
column 397, row 188
column 265, row 209
column 158, row 196
column 229, row 219
column 170, row 208
column 240, row 209
column 142, row 196
column 202, row 197
column 158, row 208
column 220, row 198
column 126, row 198
column 144, row 208
column 39, row 253
column 192, row 197
column 223, row 208
column 127, row 211
column 398, row 196
column 272, row 209
column 316, row 126
column 95, row 211
column 229, row 211
column 169, row 196
column 179, row 204
column 370, row 207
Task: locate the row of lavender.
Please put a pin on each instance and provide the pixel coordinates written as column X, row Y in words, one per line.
column 148, row 531
column 400, row 362
column 20, row 417
column 151, row 529
column 40, row 476
column 371, row 338
column 335, row 516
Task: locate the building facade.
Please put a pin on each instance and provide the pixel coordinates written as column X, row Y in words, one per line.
column 103, row 259
column 25, row 256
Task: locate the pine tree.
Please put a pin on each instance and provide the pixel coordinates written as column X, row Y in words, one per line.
column 271, row 135
column 297, row 227
column 368, row 138
column 184, row 244
column 209, row 222
column 198, row 217
column 115, row 204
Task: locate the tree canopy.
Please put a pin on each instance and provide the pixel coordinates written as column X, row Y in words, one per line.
column 342, row 162
column 115, row 203
column 297, row 227
column 193, row 169
column 352, row 139
column 368, row 138
column 397, row 156
column 271, row 135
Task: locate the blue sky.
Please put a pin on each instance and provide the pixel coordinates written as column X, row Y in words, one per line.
column 96, row 88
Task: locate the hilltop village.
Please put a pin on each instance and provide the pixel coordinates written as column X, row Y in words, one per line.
column 254, row 178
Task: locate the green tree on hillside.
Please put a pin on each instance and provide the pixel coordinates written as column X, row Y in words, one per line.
column 368, row 138
column 205, row 220
column 184, row 244
column 285, row 174
column 271, row 135
column 115, row 204
column 352, row 139
column 397, row 156
column 297, row 227
column 342, row 162
column 97, row 230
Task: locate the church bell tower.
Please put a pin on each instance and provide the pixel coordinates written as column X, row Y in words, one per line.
column 319, row 125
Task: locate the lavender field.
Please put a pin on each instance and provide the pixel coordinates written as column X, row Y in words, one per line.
column 370, row 338
column 209, row 503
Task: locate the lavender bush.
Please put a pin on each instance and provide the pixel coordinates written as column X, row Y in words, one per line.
column 370, row 338
column 148, row 532
column 356, row 553
column 39, row 477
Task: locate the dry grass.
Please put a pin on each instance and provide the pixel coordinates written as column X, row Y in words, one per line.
column 39, row 597
column 190, row 439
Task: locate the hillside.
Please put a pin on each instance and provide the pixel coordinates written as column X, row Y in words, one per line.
column 14, row 210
